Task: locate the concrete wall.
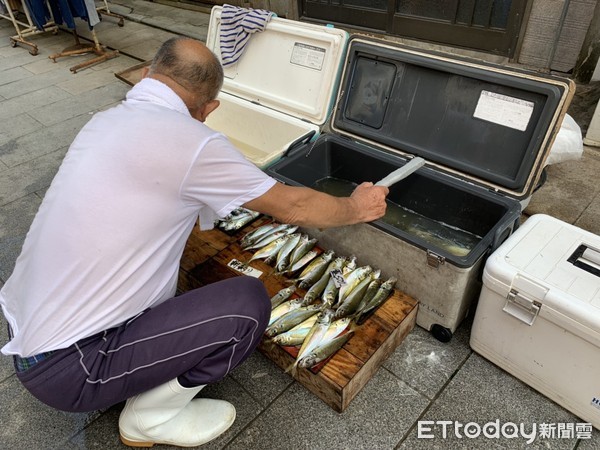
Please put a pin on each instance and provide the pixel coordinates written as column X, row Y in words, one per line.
column 283, row 8
column 553, row 37
column 588, row 64
column 555, row 32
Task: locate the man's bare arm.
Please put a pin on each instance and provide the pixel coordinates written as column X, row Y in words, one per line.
column 308, row 207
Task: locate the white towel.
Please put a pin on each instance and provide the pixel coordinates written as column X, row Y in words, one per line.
column 237, row 24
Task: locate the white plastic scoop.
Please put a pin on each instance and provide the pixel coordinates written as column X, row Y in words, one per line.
column 402, row 172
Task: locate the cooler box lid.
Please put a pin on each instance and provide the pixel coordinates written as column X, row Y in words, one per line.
column 485, row 123
column 551, row 269
column 291, row 66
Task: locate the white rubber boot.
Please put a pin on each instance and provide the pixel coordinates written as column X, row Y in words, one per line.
column 168, row 415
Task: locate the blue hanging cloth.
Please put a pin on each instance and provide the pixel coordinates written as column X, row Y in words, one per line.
column 64, row 11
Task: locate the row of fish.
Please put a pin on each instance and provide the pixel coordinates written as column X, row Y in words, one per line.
column 338, row 294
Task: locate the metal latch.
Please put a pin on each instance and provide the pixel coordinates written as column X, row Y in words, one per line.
column 434, row 260
column 521, row 307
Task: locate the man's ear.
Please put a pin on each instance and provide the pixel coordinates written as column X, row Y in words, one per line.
column 145, row 71
column 205, row 110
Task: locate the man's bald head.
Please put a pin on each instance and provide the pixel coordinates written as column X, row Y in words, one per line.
column 192, row 65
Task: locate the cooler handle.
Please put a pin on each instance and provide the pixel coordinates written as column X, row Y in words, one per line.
column 503, row 231
column 304, row 139
column 586, row 258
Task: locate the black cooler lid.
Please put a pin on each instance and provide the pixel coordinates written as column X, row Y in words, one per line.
column 485, row 123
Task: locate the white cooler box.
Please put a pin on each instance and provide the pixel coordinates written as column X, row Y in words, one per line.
column 280, row 92
column 538, row 315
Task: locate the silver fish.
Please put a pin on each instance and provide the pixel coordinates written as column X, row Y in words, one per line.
column 308, row 323
column 351, row 302
column 315, row 336
column 283, row 256
column 315, row 269
column 380, row 296
column 369, row 293
column 319, row 287
column 267, row 240
column 269, row 249
column 336, row 328
column 312, row 254
column 282, row 230
column 282, row 296
column 297, row 334
column 237, row 219
column 291, row 319
column 284, row 308
column 352, row 279
column 275, row 229
column 324, row 351
column 253, row 236
column 350, row 265
column 305, row 245
column 292, row 337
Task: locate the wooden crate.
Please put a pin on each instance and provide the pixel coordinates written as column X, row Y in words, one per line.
column 205, row 260
column 133, row 74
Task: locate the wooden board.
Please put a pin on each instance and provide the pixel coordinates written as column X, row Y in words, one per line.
column 133, row 74
column 205, row 260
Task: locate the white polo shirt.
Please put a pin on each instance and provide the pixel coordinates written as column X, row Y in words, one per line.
column 107, row 239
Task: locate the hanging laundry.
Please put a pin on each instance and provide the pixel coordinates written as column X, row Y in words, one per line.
column 237, row 24
column 63, row 11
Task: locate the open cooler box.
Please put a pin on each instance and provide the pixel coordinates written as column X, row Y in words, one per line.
column 538, row 315
column 280, row 92
column 484, row 131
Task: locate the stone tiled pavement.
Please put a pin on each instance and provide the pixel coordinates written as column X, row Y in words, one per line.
column 42, row 106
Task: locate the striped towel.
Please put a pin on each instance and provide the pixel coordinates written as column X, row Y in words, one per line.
column 236, row 26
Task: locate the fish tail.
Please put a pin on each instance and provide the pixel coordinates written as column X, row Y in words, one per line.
column 292, row 369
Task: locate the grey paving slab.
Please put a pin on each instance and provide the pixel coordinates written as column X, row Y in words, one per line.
column 43, row 64
column 13, row 57
column 88, row 102
column 377, row 418
column 130, row 39
column 86, row 80
column 133, row 35
column 41, row 142
column 13, row 74
column 145, row 50
column 27, row 85
column 261, row 378
column 29, row 177
column 480, row 393
column 115, row 65
column 199, row 32
column 427, row 364
column 570, row 188
column 590, row 444
column 32, row 100
column 26, row 423
column 13, row 127
column 15, row 220
column 101, row 434
column 590, row 218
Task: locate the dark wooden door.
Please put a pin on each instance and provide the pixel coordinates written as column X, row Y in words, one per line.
column 487, row 25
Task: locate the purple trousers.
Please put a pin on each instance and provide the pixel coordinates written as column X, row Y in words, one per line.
column 198, row 337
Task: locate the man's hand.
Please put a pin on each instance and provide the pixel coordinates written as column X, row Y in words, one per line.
column 370, row 201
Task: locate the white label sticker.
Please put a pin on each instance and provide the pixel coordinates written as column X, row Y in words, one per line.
column 308, row 56
column 338, row 278
column 243, row 268
column 504, row 110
